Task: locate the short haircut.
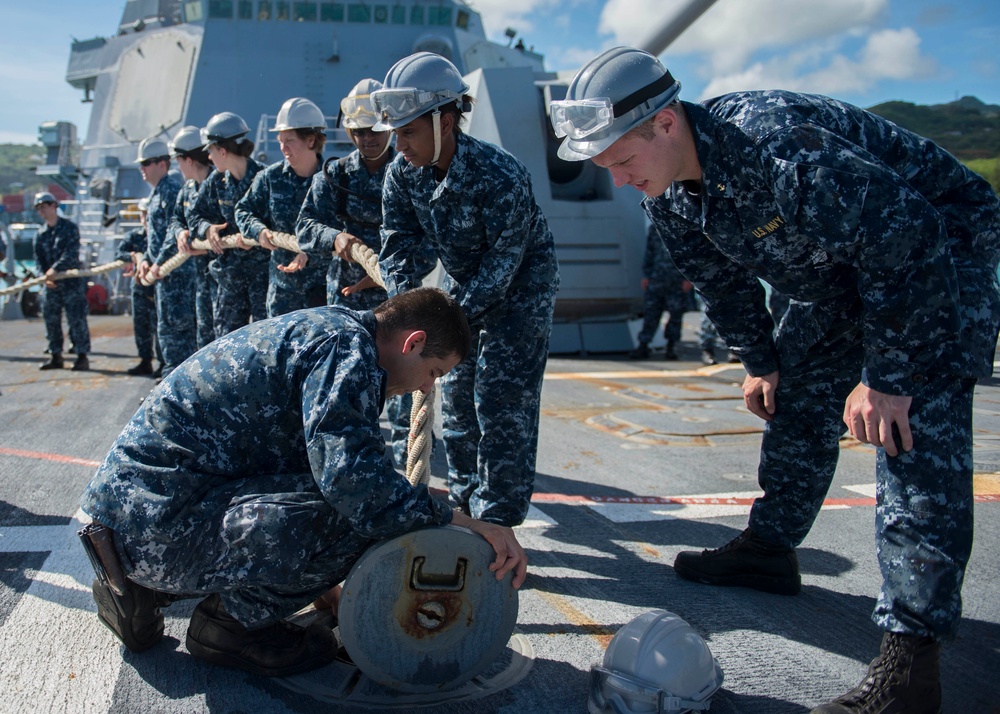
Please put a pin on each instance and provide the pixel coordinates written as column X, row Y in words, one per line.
column 433, row 311
column 317, row 134
column 198, row 155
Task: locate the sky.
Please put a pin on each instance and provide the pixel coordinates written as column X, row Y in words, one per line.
column 861, row 51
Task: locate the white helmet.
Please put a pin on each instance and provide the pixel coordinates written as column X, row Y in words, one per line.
column 356, row 108
column 610, row 95
column 152, row 149
column 222, row 126
column 299, row 113
column 655, row 664
column 188, row 138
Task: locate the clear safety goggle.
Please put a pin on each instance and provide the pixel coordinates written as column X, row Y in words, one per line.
column 635, row 694
column 580, row 118
column 395, row 104
column 357, row 107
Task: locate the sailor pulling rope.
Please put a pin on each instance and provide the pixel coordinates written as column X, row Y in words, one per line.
column 75, row 273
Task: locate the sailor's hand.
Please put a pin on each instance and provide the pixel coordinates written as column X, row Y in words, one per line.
column 154, row 272
column 510, row 554
column 49, row 282
column 212, row 236
column 758, row 394
column 265, row 240
column 330, row 600
column 364, row 284
column 300, row 261
column 870, row 416
column 142, row 270
column 128, row 269
column 184, row 244
column 242, row 244
column 342, row 246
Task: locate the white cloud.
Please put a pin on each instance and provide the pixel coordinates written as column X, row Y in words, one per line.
column 886, row 54
column 731, row 31
column 498, row 15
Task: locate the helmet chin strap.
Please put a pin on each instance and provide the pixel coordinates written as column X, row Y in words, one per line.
column 436, row 121
column 371, row 158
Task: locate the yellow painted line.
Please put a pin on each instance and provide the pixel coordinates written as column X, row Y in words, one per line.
column 600, row 632
column 986, row 484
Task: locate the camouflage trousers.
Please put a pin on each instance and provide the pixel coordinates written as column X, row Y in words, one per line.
column 242, row 293
column 270, row 545
column 287, row 292
column 490, row 411
column 70, row 296
column 176, row 321
column 144, row 321
column 206, row 290
column 662, row 297
column 923, row 516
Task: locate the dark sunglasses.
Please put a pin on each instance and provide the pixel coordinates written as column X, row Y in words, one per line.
column 147, row 162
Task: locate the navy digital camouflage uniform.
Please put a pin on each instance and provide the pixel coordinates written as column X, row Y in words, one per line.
column 893, row 246
column 205, row 288
column 345, row 198
column 257, row 468
column 499, row 256
column 58, row 247
column 664, row 292
column 176, row 323
column 273, row 202
column 241, row 275
column 143, row 299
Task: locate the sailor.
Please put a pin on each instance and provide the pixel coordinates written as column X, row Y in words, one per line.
column 255, row 475
column 132, row 251
column 57, row 249
column 176, row 324
column 241, row 273
column 296, row 280
column 664, row 288
column 344, row 208
column 474, row 203
column 893, row 246
column 192, row 160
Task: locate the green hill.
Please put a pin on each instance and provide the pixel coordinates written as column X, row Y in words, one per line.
column 17, row 168
column 967, row 128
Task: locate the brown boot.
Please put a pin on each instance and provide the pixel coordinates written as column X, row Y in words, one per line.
column 746, row 560
column 274, row 651
column 904, row 679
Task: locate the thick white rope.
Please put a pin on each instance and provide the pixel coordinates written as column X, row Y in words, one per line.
column 75, row 273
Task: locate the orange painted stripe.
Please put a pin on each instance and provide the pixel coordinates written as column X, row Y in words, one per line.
column 41, row 455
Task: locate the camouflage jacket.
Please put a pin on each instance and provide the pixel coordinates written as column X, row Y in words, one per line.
column 216, row 203
column 273, row 201
column 482, row 221
column 657, row 265
column 831, row 204
column 297, row 393
column 134, row 242
column 182, row 217
column 58, row 247
column 161, row 210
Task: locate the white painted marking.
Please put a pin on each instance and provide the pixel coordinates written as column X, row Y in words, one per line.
column 863, row 489
column 56, row 654
column 537, row 519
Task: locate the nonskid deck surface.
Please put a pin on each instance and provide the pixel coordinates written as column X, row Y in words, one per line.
column 637, row 461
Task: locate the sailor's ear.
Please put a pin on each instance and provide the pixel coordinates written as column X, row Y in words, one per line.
column 414, row 342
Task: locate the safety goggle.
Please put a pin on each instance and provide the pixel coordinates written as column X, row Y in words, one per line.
column 356, row 107
column 580, row 118
column 629, row 690
column 396, row 104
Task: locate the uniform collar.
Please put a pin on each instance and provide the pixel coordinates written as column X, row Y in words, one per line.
column 710, row 137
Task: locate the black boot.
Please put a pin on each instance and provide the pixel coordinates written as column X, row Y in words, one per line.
column 144, row 368
column 904, row 679
column 158, row 374
column 746, row 560
column 708, row 357
column 82, row 364
column 55, row 362
column 640, row 352
column 668, row 353
column 140, row 626
column 275, row 651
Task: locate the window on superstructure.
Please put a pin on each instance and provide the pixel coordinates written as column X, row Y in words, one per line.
column 417, row 15
column 462, row 21
column 192, row 11
column 359, row 13
column 244, row 9
column 398, row 15
column 331, row 12
column 264, row 10
column 282, row 10
column 220, row 9
column 439, row 16
column 381, row 14
column 305, row 11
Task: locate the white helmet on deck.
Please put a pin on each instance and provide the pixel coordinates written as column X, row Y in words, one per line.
column 356, row 108
column 299, row 113
column 655, row 664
